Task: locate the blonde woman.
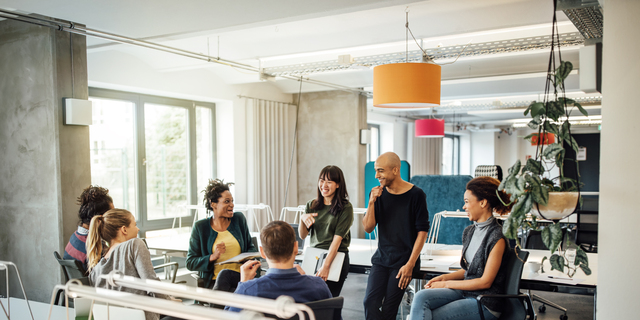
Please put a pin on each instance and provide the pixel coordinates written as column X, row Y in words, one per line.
column 125, row 252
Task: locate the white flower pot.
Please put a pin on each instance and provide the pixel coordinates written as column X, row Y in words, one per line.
column 559, row 206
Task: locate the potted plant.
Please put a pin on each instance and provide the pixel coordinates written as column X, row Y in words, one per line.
column 536, row 194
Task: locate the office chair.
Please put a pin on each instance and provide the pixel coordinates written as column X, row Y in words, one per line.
column 493, row 171
column 534, row 241
column 327, row 309
column 72, row 269
column 516, row 305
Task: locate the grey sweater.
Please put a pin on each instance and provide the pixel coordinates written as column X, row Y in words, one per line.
column 132, row 258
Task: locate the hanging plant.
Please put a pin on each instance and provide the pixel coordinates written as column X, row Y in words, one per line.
column 536, row 194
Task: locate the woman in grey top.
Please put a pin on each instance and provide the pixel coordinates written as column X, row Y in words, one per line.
column 452, row 296
column 126, row 253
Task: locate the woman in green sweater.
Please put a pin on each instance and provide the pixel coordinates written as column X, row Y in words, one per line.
column 327, row 220
column 222, row 236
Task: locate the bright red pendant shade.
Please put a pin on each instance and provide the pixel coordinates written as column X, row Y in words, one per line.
column 406, row 85
column 430, row 128
column 547, row 138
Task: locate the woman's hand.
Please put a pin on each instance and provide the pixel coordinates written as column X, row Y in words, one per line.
column 220, row 249
column 308, row 219
column 299, row 268
column 436, row 284
column 323, row 272
column 434, row 280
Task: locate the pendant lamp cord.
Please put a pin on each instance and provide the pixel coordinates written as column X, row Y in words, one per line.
column 293, row 148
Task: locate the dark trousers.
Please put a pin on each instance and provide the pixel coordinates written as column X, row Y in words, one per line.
column 227, row 280
column 336, row 286
column 382, row 291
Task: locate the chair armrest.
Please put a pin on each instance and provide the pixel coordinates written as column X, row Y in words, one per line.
column 522, row 297
column 168, row 264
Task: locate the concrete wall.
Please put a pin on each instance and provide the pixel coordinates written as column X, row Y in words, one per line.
column 45, row 164
column 329, row 133
column 618, row 277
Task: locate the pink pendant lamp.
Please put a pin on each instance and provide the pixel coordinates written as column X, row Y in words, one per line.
column 430, row 128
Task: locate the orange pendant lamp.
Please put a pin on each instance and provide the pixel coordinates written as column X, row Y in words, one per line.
column 547, row 138
column 406, row 85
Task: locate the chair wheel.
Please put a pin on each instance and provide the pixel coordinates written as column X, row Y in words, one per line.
column 542, row 308
column 563, row 317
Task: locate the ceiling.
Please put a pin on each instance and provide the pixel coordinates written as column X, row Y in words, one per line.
column 292, row 34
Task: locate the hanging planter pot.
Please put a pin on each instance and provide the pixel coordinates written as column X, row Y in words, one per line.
column 559, row 206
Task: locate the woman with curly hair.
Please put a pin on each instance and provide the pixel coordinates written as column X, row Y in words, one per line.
column 222, row 236
column 94, row 200
column 453, row 295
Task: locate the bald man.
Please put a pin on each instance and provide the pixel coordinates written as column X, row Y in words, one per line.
column 399, row 208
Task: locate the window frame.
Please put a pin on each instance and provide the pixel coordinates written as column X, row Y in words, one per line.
column 369, row 126
column 139, row 101
column 455, row 156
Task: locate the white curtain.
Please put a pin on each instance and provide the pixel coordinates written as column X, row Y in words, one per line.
column 425, row 154
column 270, row 132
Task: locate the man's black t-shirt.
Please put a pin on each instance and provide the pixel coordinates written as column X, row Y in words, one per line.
column 399, row 217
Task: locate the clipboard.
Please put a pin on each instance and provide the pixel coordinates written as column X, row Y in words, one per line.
column 314, row 258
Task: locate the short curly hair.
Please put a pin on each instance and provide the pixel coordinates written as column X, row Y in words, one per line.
column 214, row 191
column 94, row 200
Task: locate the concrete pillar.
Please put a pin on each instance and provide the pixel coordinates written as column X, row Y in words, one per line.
column 45, row 164
column 329, row 125
column 618, row 218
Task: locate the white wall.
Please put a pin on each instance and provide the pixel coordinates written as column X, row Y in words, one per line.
column 119, row 71
column 482, row 149
column 393, row 133
column 618, row 277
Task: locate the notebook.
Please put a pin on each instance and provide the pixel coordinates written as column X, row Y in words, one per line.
column 314, row 258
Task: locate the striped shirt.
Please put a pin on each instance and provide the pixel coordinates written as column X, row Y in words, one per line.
column 76, row 248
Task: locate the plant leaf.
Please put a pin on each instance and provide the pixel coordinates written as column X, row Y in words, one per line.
column 574, row 145
column 563, row 71
column 552, row 151
column 581, row 258
column 542, row 264
column 557, row 263
column 521, row 208
column 560, row 158
column 556, row 236
column 535, row 122
column 550, row 127
column 515, row 168
column 537, row 109
column 533, row 166
column 585, row 269
column 546, row 237
column 509, row 228
column 582, row 110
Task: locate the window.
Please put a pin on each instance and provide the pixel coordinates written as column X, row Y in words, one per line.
column 451, row 155
column 154, row 154
column 373, row 148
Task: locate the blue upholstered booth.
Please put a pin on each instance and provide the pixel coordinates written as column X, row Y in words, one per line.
column 445, row 193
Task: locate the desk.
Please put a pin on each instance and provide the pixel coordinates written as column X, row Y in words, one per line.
column 40, row 310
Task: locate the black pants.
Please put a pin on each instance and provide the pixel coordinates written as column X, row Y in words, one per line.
column 227, row 280
column 382, row 291
column 336, row 286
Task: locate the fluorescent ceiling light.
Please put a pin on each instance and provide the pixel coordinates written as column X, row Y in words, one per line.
column 513, row 110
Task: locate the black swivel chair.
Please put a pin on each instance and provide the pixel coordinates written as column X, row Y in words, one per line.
column 516, row 305
column 534, row 241
column 327, row 309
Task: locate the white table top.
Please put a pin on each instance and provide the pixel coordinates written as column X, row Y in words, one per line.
column 19, row 310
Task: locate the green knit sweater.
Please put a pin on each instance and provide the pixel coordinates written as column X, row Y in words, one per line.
column 201, row 243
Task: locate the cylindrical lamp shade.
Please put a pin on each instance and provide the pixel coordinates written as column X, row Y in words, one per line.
column 547, row 138
column 406, row 85
column 430, row 128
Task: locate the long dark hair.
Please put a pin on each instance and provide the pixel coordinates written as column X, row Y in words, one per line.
column 340, row 198
column 487, row 188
